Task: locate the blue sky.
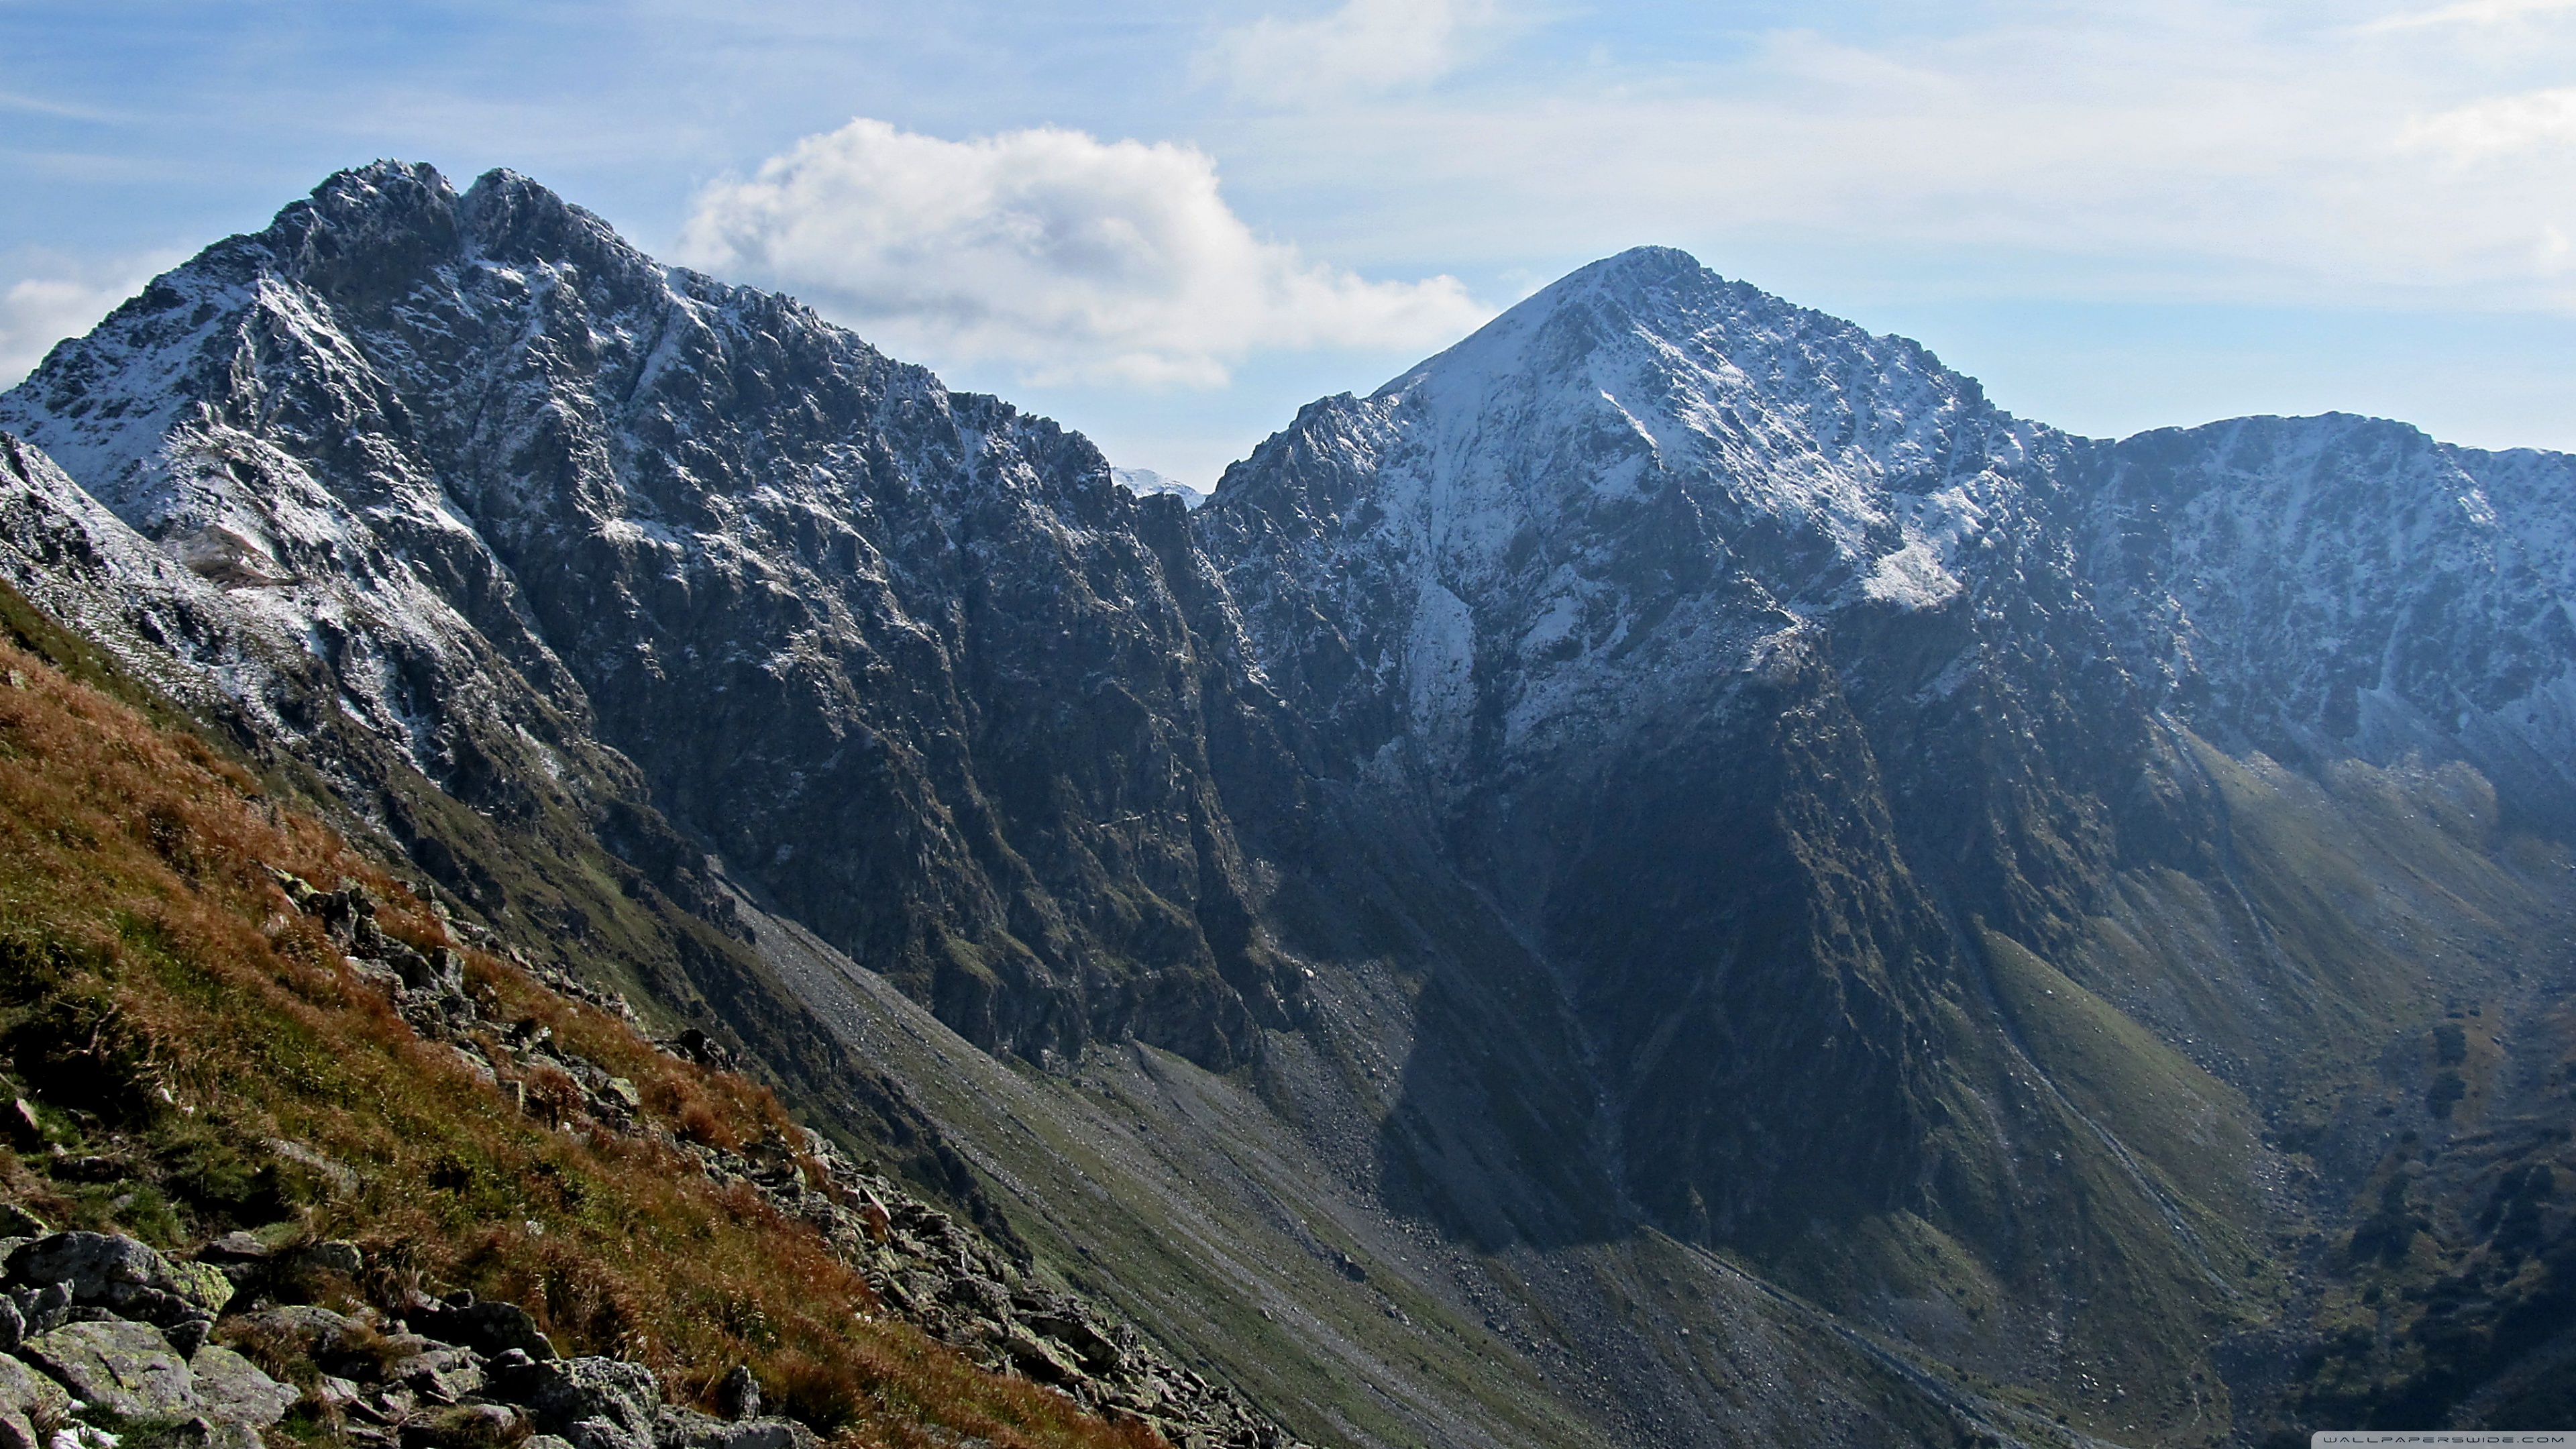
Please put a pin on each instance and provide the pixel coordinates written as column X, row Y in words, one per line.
column 1171, row 224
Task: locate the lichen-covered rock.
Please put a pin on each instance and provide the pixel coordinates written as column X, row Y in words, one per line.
column 313, row 1329
column 27, row 1399
column 109, row 1271
column 595, row 1403
column 232, row 1387
column 123, row 1367
column 202, row 1284
column 466, row 1426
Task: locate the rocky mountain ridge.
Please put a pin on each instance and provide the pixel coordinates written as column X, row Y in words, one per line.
column 1673, row 769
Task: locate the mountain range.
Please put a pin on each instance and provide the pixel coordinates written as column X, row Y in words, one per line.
column 1672, row 876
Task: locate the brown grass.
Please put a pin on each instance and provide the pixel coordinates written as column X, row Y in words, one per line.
column 135, row 906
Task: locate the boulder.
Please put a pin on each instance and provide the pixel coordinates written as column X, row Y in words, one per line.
column 337, row 1256
column 204, row 1285
column 766, row 1434
column 1034, row 1356
column 125, row 1368
column 27, row 1399
column 439, row 1373
column 315, row 1331
column 1099, row 1355
column 188, row 1335
column 234, row 1388
column 487, row 1327
column 681, row 1428
column 234, row 1247
column 467, row 1426
column 596, row 1403
column 106, row 1270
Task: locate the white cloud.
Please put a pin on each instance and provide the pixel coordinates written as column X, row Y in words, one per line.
column 2470, row 12
column 2200, row 150
column 64, row 299
column 2500, row 126
column 1366, row 46
column 1067, row 257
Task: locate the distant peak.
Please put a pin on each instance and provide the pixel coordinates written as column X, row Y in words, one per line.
column 372, row 185
column 1145, row 482
column 1646, row 263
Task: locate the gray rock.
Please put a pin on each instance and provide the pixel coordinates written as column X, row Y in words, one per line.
column 739, row 1395
column 488, row 1327
column 1034, row 1356
column 203, row 1285
column 683, row 1428
column 316, row 1331
column 234, row 1247
column 105, row 1270
column 234, row 1388
column 337, row 1256
column 89, row 1264
column 27, row 1392
column 13, row 1325
column 122, row 1367
column 766, row 1434
column 467, row 1426
column 676, row 1426
column 1099, row 1355
column 596, row 1403
column 439, row 1373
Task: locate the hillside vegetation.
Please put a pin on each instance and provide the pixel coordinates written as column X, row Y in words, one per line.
column 195, row 1057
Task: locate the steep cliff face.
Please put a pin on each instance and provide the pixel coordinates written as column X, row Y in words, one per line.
column 547, row 510
column 2317, row 587
column 1731, row 647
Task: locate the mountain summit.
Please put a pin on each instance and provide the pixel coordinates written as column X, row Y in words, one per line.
column 1671, row 876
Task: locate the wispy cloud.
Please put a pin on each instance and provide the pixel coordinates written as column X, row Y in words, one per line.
column 1068, row 257
column 62, row 298
column 2469, row 12
column 2500, row 126
column 39, row 106
column 1365, row 47
column 2203, row 151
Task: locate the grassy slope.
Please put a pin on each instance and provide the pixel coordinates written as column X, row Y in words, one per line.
column 2304, row 980
column 173, row 1017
